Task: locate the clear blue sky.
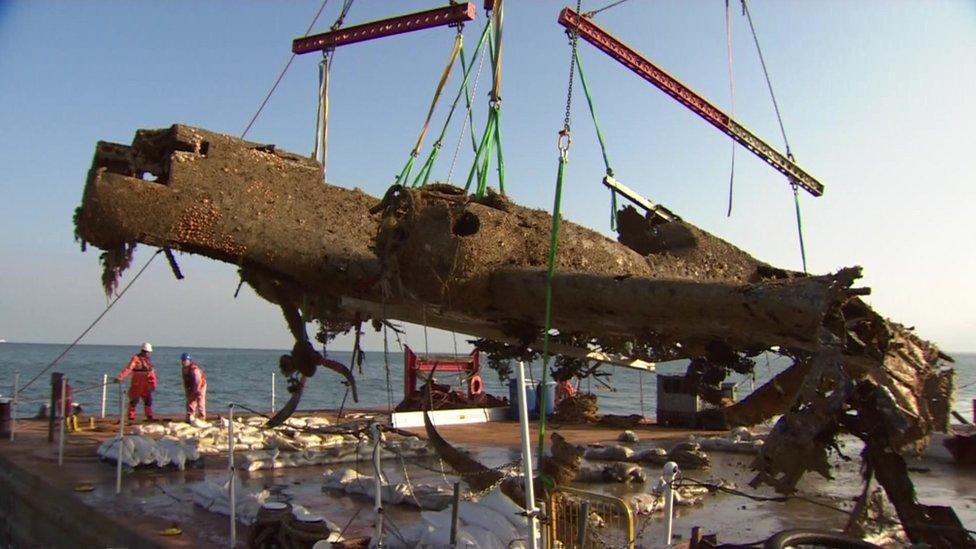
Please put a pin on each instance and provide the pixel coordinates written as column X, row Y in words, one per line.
column 877, row 99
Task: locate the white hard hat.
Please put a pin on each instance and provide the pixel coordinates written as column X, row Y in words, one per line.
column 147, row 347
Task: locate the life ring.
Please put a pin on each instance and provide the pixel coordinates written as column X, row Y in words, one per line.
column 475, row 385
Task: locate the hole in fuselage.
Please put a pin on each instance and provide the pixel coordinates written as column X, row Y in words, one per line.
column 466, row 225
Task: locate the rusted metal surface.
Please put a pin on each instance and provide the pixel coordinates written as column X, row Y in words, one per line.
column 435, row 256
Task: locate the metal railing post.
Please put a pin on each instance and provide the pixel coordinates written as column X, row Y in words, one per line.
column 118, row 460
column 378, row 498
column 531, row 510
column 104, row 392
column 670, row 474
column 232, row 476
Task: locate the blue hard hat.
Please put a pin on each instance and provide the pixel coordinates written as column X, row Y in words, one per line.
column 184, row 356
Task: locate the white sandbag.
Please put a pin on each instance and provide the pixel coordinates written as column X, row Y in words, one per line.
column 337, row 480
column 657, row 456
column 170, row 451
column 504, row 506
column 317, row 422
column 203, row 494
column 411, row 537
column 247, row 502
column 483, row 538
column 436, row 537
column 437, row 519
column 609, row 452
column 143, row 449
column 490, row 520
column 149, row 429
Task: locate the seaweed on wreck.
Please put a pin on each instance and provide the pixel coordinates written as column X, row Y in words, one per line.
column 114, row 262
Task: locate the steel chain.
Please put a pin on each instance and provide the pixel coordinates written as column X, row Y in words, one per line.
column 573, row 38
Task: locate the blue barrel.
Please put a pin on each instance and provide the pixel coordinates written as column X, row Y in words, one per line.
column 550, row 397
column 513, row 412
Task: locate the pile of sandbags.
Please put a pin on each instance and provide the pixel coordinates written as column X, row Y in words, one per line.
column 739, row 440
column 138, row 450
column 688, row 455
column 249, row 434
column 352, row 482
column 494, row 522
column 617, row 471
column 579, row 408
column 684, row 496
column 352, row 450
column 214, row 496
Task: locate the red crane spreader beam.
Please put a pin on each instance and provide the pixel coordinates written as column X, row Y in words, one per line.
column 670, row 85
column 449, row 15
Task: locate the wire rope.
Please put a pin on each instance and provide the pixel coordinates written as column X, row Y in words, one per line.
column 782, row 129
column 281, row 75
column 94, row 322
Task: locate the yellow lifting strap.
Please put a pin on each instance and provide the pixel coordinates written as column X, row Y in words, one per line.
column 458, row 43
column 496, row 90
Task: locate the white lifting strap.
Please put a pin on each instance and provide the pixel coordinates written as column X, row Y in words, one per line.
column 320, row 151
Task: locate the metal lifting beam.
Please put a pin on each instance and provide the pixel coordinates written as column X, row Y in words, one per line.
column 449, row 15
column 670, row 85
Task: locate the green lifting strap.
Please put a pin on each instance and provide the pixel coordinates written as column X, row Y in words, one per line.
column 563, row 144
column 470, row 111
column 424, row 174
column 553, row 252
column 603, row 144
column 490, row 139
column 415, row 152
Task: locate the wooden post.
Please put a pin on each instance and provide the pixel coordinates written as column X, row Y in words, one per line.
column 55, row 383
column 13, row 407
column 64, row 419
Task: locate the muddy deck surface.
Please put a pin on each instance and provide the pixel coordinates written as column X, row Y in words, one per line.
column 153, row 499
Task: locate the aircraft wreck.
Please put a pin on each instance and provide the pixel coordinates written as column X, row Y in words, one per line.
column 436, row 256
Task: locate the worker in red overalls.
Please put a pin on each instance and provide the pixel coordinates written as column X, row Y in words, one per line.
column 195, row 387
column 564, row 390
column 143, row 381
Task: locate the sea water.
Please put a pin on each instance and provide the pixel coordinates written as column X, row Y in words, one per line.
column 244, row 377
